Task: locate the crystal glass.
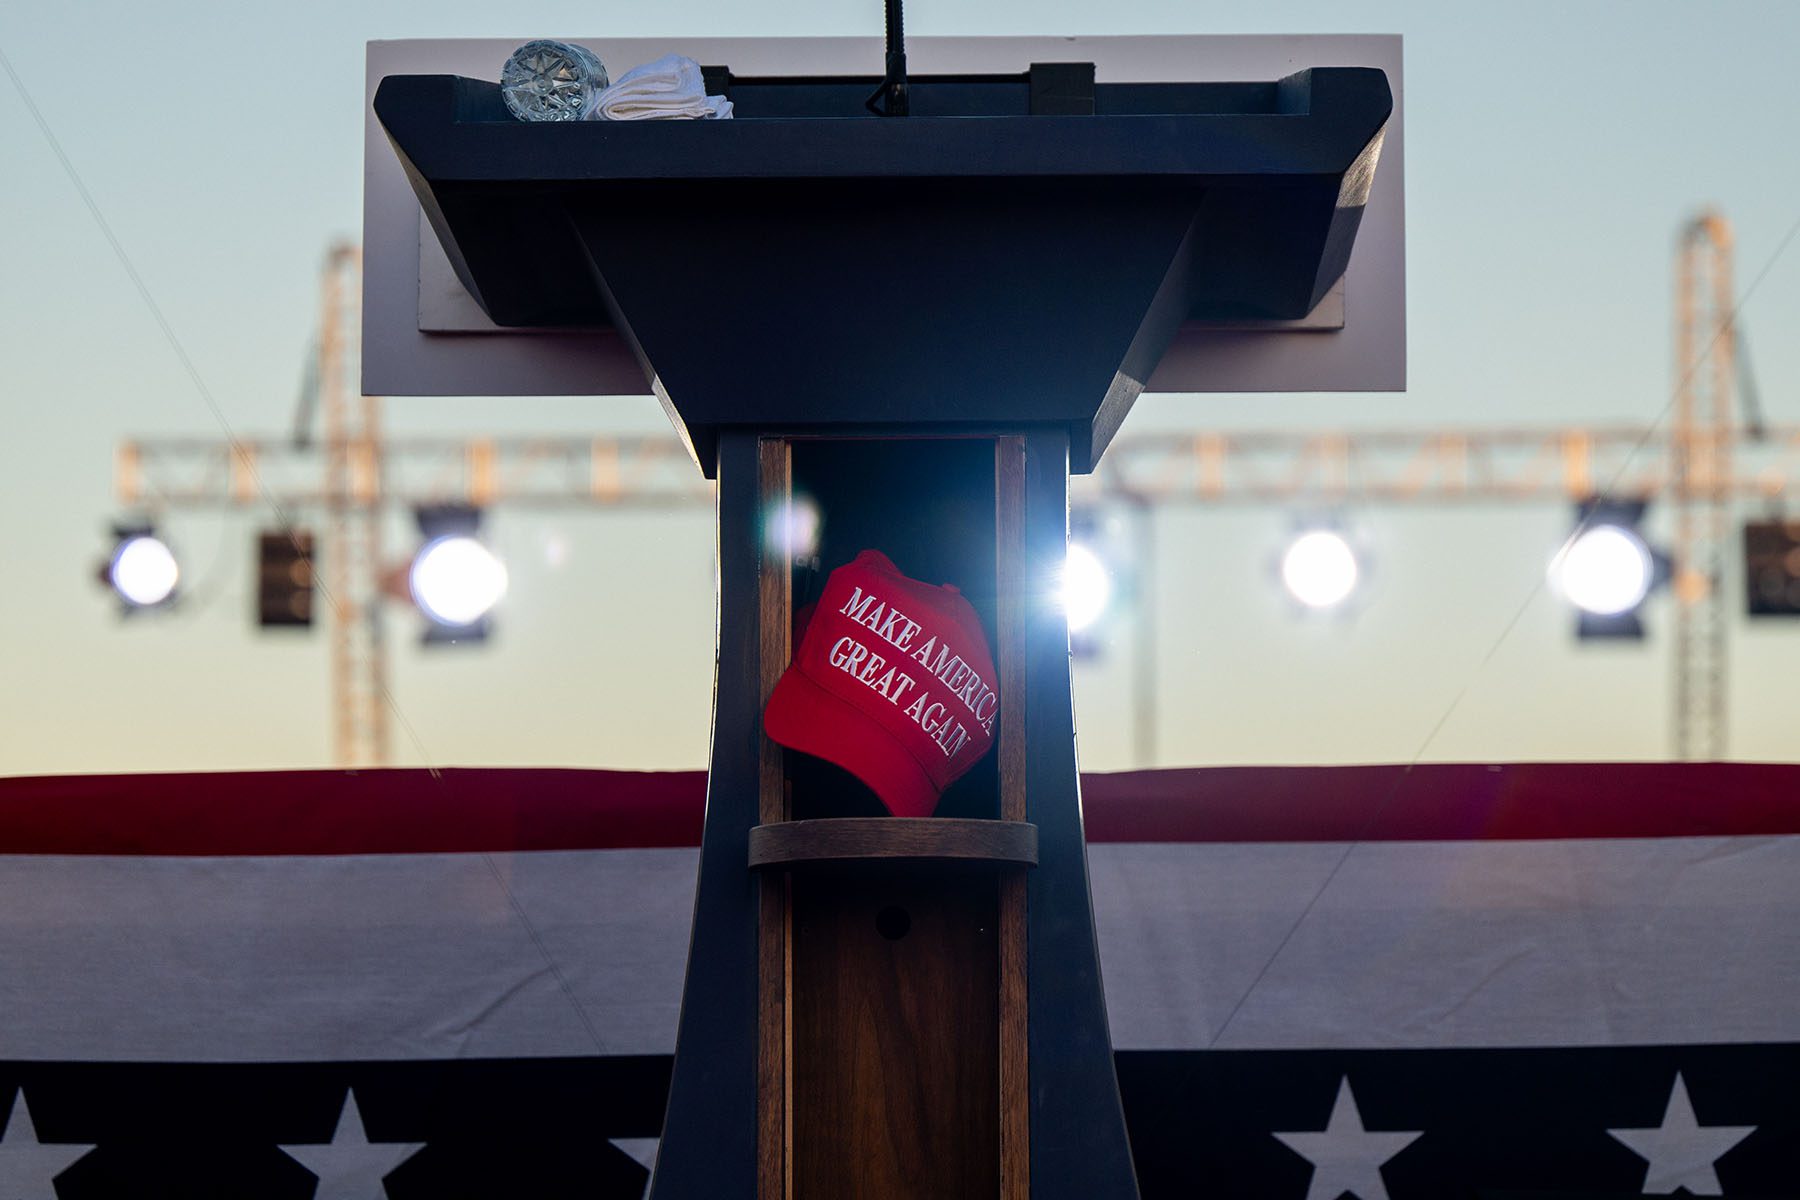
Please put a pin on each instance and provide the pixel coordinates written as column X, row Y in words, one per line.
column 552, row 81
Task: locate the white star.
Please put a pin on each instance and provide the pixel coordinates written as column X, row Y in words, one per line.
column 350, row 1167
column 27, row 1166
column 1345, row 1156
column 1682, row 1151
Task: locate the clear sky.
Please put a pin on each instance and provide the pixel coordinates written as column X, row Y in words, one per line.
column 1552, row 151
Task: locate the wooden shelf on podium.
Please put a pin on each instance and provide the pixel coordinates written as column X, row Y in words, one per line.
column 791, row 844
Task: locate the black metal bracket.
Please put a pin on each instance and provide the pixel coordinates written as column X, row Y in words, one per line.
column 893, row 97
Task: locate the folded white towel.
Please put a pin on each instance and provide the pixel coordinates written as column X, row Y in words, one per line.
column 669, row 87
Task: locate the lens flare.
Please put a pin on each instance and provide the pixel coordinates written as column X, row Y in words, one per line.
column 791, row 528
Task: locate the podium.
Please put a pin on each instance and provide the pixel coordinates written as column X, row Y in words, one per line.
column 919, row 326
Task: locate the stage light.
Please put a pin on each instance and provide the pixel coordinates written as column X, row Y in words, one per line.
column 284, row 579
column 455, row 580
column 1606, row 570
column 1097, row 582
column 142, row 570
column 1772, row 568
column 1319, row 569
column 1085, row 588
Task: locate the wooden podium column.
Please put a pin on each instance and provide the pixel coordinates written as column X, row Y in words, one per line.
column 892, row 1018
column 775, row 963
column 1015, row 1053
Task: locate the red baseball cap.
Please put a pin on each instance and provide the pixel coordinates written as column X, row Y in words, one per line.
column 893, row 682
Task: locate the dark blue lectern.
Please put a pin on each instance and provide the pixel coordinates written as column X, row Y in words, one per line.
column 923, row 324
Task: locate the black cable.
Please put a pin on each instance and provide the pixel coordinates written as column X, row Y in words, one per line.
column 1749, row 396
column 181, row 354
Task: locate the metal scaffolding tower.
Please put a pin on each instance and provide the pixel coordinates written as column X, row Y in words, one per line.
column 1701, row 482
column 353, row 505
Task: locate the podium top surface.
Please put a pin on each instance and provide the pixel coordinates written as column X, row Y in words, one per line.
column 457, row 129
column 424, row 335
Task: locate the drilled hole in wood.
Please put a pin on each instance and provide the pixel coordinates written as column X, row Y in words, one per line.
column 892, row 922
